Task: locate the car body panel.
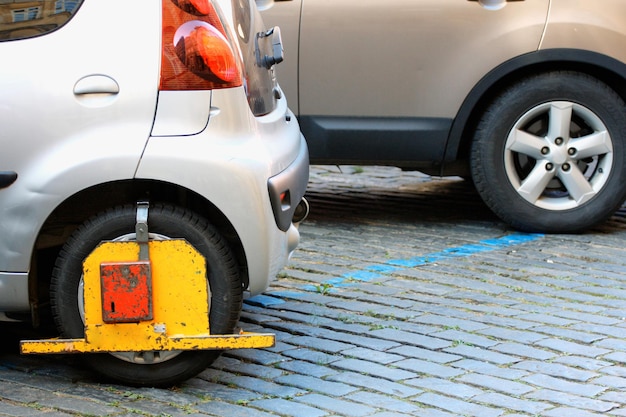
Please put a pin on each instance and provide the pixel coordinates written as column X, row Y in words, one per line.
column 409, row 47
column 76, row 129
column 375, row 95
column 221, row 161
column 583, row 26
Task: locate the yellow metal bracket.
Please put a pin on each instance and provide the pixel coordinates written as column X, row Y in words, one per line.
column 174, row 317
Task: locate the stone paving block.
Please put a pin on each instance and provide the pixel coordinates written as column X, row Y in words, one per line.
column 288, row 408
column 448, row 322
column 324, row 345
column 313, row 384
column 591, row 318
column 225, row 409
column 616, row 332
column 411, row 338
column 77, row 405
column 582, row 337
column 382, row 358
column 583, row 363
column 571, row 348
column 618, row 412
column 460, row 408
column 612, row 382
column 369, row 308
column 45, row 382
column 428, row 368
column 261, row 357
column 546, row 319
column 524, row 351
column 335, row 405
column 519, row 336
column 496, row 384
column 508, row 403
column 617, row 370
column 234, row 365
column 306, row 368
column 11, row 410
column 562, row 385
column 446, row 387
column 616, row 357
column 614, row 397
column 569, row 400
column 319, row 336
column 373, row 369
column 474, row 352
column 152, row 408
column 427, row 354
column 464, row 337
column 211, row 390
column 506, row 322
column 490, row 369
column 312, row 356
column 384, row 402
column 613, row 344
column 375, row 384
column 256, row 385
column 24, row 394
column 557, row 370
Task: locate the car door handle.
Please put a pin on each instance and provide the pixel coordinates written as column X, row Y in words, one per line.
column 96, row 84
column 494, row 4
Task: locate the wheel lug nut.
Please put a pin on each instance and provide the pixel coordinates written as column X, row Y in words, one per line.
column 565, row 167
column 545, row 150
column 558, row 141
column 549, row 166
column 571, row 151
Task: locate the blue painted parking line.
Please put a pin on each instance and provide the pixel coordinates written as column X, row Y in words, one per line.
column 373, row 272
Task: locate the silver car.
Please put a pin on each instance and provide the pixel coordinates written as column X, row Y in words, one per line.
column 524, row 97
column 107, row 103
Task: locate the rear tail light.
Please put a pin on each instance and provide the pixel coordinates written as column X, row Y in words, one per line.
column 197, row 51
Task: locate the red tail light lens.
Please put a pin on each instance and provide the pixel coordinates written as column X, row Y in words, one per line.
column 196, row 7
column 197, row 51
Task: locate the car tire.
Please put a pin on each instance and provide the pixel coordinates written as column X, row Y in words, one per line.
column 164, row 221
column 548, row 155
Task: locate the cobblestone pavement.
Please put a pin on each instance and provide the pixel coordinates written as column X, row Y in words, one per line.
column 407, row 297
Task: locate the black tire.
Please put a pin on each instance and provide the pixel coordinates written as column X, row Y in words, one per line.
column 166, row 221
column 537, row 176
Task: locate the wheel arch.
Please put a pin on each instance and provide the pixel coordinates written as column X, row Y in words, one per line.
column 605, row 68
column 76, row 209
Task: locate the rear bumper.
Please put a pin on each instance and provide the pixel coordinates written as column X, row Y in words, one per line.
column 287, row 188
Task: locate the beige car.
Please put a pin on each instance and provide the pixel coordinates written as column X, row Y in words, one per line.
column 526, row 97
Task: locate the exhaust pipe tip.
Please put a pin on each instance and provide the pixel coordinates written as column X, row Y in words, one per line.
column 301, row 212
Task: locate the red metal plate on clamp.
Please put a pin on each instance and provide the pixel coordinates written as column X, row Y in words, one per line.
column 126, row 292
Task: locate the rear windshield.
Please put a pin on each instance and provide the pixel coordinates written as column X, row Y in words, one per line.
column 21, row 19
column 260, row 82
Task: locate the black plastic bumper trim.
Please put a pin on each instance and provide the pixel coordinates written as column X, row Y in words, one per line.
column 7, row 178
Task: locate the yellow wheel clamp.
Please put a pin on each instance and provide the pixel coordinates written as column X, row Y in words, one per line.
column 159, row 302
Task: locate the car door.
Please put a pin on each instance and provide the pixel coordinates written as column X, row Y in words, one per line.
column 79, row 89
column 397, row 58
column 69, row 96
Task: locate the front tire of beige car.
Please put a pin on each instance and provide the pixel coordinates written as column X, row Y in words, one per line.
column 160, row 369
column 548, row 154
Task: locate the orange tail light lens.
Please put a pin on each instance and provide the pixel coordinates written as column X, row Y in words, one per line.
column 197, row 53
